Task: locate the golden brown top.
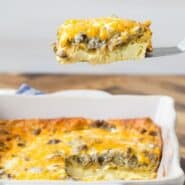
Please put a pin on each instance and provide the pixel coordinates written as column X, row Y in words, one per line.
column 102, row 28
column 41, row 148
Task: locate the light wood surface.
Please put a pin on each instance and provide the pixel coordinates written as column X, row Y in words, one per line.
column 163, row 85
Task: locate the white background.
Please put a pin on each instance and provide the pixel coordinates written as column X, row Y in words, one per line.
column 27, row 29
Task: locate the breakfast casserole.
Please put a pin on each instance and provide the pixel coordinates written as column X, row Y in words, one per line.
column 79, row 149
column 102, row 40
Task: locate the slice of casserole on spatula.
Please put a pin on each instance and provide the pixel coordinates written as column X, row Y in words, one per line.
column 102, row 40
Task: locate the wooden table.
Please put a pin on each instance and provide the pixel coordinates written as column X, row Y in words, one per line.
column 164, row 85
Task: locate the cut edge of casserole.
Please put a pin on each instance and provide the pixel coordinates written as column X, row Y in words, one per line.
column 79, row 149
column 102, row 40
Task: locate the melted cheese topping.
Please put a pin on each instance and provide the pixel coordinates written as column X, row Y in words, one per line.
column 79, row 148
column 103, row 28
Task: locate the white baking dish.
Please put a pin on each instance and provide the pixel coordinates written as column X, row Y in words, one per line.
column 101, row 105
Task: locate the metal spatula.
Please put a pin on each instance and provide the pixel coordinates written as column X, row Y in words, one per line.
column 165, row 51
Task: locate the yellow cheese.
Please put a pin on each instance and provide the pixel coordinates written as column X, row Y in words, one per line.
column 80, row 148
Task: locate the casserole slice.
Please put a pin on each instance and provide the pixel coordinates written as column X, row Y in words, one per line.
column 79, row 149
column 102, row 40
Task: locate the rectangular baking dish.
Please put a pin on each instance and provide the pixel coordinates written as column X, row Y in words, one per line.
column 101, row 105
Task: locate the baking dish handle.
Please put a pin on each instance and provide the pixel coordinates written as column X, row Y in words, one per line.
column 7, row 91
column 68, row 93
column 82, row 93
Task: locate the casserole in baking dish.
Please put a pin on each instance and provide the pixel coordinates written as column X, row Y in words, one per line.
column 100, row 105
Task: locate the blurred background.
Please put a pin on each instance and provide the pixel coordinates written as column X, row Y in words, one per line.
column 28, row 28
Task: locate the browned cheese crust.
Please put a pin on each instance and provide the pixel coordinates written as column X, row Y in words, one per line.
column 79, row 148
